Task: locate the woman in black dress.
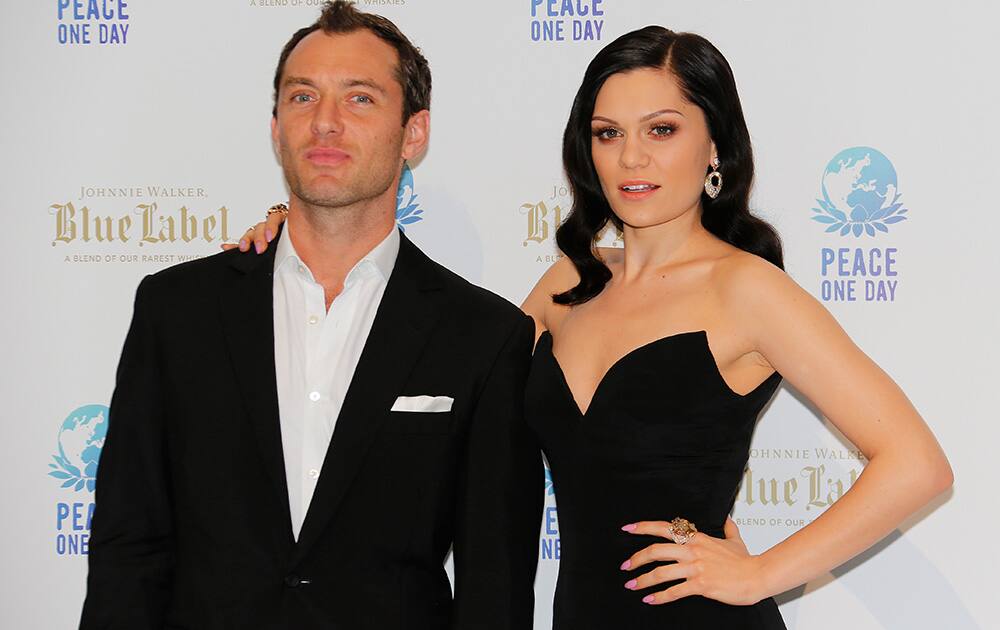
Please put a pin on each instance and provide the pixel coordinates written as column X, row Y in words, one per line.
column 654, row 361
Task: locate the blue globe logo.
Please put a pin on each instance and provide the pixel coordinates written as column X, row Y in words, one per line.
column 860, row 193
column 407, row 209
column 81, row 438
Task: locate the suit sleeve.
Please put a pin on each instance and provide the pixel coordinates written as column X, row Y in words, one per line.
column 501, row 494
column 131, row 544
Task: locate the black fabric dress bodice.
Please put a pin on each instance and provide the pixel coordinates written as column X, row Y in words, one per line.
column 664, row 436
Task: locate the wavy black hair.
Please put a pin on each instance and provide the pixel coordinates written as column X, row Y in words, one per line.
column 706, row 80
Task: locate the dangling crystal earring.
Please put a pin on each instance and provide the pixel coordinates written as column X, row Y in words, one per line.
column 713, row 181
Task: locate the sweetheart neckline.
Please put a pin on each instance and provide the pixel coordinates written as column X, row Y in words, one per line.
column 593, row 397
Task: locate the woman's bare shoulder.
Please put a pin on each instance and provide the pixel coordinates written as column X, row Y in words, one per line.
column 742, row 275
column 558, row 278
column 761, row 298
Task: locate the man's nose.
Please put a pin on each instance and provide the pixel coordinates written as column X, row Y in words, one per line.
column 327, row 118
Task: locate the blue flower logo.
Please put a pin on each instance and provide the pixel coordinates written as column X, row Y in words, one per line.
column 81, row 438
column 550, row 487
column 860, row 193
column 407, row 209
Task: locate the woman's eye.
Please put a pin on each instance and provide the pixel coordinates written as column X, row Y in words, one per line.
column 662, row 130
column 607, row 133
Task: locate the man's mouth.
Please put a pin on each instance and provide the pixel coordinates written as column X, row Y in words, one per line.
column 327, row 156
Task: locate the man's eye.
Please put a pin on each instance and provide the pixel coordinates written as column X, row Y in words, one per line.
column 301, row 98
column 362, row 98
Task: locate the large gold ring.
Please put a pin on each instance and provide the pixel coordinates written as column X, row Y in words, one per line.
column 278, row 208
column 682, row 530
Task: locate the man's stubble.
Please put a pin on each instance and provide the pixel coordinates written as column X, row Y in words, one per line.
column 361, row 186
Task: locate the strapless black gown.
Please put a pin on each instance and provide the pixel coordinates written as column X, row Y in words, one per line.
column 664, row 436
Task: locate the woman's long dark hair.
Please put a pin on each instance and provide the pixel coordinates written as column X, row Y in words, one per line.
column 706, row 80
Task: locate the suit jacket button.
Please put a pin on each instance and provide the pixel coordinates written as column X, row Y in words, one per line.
column 291, row 581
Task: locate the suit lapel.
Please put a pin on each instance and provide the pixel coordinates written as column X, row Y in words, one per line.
column 410, row 306
column 247, row 306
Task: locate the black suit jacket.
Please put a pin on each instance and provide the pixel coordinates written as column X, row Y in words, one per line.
column 192, row 527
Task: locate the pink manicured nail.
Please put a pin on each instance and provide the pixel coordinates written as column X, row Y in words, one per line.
column 626, row 565
column 256, row 247
column 630, row 585
column 243, row 245
column 267, row 235
column 629, row 528
column 648, row 599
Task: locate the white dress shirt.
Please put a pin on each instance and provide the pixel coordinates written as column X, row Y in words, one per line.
column 315, row 354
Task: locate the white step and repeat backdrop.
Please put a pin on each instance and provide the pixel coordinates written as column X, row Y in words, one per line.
column 135, row 136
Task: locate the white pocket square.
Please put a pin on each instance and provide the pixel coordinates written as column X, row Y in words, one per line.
column 424, row 404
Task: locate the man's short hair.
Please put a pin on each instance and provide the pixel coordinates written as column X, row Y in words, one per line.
column 341, row 16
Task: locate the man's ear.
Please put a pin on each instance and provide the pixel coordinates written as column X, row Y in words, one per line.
column 416, row 134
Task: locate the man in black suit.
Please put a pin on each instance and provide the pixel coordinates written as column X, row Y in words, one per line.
column 297, row 439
